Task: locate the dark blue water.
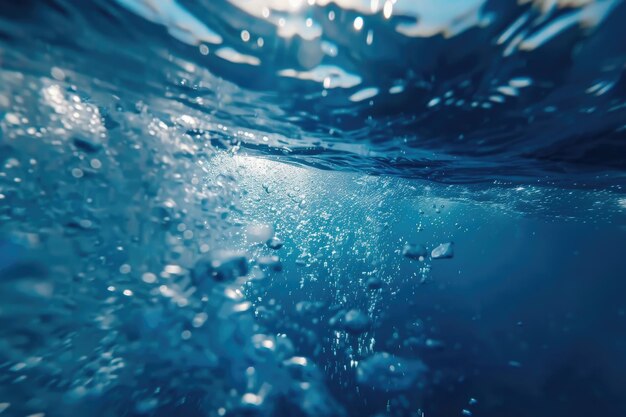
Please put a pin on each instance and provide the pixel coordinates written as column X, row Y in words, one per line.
column 312, row 208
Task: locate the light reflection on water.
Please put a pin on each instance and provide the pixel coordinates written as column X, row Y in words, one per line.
column 393, row 75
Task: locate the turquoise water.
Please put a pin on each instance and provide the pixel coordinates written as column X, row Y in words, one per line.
column 312, row 208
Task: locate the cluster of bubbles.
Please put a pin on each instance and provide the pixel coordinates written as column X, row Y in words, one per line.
column 135, row 275
column 119, row 287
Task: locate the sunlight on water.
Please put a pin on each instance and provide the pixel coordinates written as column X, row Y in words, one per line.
column 316, row 208
column 430, row 56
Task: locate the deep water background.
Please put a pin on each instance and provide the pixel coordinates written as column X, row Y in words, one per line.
column 151, row 149
column 530, row 289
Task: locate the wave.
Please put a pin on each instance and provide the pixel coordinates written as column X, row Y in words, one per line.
column 460, row 91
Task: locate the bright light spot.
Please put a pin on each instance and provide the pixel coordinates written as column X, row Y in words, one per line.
column 241, row 307
column 508, row 91
column 295, row 4
column 229, row 54
column 298, row 360
column 149, row 278
column 188, row 120
column 251, row 399
column 260, row 170
column 268, row 344
column 520, row 82
column 199, row 320
column 57, row 74
column 388, row 9
column 434, row 102
column 358, row 23
column 245, row 35
column 12, row 118
column 364, row 94
column 396, row 89
column 179, row 22
column 330, row 76
column 173, row 269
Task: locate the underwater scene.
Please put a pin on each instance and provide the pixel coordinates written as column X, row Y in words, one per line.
column 312, row 208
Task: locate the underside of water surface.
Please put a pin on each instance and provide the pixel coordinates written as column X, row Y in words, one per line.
column 312, row 208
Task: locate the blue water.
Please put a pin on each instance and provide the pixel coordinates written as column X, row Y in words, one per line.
column 386, row 208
